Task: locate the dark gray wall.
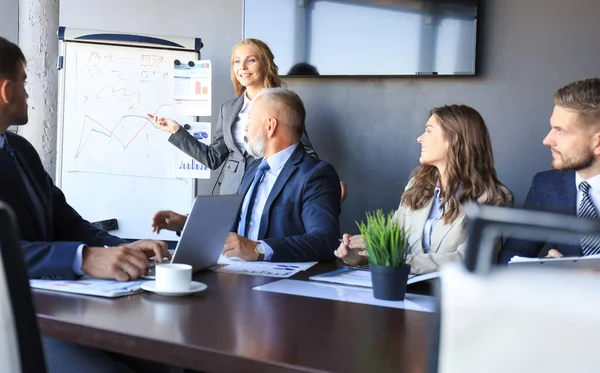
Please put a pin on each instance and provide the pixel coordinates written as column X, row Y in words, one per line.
column 367, row 128
column 527, row 49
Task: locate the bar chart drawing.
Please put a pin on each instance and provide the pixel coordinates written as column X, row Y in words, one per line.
column 192, row 165
column 184, row 166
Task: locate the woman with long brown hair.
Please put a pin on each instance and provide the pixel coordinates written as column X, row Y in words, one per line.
column 457, row 165
column 252, row 69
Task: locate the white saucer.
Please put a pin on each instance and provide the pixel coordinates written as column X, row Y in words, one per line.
column 194, row 288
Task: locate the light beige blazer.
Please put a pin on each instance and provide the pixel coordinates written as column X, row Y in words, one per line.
column 448, row 241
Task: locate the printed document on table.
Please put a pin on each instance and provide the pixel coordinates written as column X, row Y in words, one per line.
column 90, row 286
column 362, row 277
column 345, row 293
column 268, row 269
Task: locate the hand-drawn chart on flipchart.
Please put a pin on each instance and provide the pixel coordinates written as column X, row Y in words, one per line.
column 115, row 162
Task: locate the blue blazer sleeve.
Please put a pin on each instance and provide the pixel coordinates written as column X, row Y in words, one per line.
column 320, row 208
column 50, row 260
column 49, row 252
column 54, row 259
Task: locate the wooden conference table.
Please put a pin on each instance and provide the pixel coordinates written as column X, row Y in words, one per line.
column 231, row 328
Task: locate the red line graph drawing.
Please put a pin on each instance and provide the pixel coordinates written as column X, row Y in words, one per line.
column 89, row 121
column 113, row 90
column 151, row 60
column 111, row 58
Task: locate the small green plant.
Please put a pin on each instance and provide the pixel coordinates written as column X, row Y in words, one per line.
column 385, row 239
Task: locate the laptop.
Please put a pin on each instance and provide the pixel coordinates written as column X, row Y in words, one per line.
column 204, row 232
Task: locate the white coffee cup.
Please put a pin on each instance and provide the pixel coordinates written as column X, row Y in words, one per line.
column 173, row 277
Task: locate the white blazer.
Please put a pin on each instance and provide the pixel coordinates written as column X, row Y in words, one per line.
column 448, row 241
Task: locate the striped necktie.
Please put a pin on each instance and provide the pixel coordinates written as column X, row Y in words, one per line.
column 590, row 245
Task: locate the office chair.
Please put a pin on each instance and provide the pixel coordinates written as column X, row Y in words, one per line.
column 20, row 345
column 501, row 320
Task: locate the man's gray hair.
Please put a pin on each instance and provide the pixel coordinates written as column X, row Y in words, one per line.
column 290, row 107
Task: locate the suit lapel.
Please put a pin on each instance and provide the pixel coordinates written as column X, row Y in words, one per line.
column 287, row 171
column 243, row 190
column 567, row 193
column 11, row 177
column 37, row 188
column 230, row 118
column 440, row 231
column 567, row 197
column 418, row 219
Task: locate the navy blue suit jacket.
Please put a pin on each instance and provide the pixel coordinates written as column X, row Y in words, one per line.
column 552, row 191
column 300, row 220
column 50, row 241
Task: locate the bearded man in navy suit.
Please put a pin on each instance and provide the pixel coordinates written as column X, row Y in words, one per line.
column 573, row 186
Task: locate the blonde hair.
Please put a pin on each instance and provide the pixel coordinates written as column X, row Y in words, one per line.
column 582, row 96
column 267, row 59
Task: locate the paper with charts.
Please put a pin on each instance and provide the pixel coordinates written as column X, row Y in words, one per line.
column 267, row 269
column 90, row 286
column 192, row 91
column 182, row 165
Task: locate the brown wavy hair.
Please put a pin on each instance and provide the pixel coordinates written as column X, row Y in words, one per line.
column 470, row 172
column 267, row 59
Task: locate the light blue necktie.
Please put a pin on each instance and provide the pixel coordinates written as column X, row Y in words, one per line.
column 247, row 212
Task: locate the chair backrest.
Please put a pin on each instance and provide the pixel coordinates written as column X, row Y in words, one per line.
column 519, row 321
column 20, row 345
column 505, row 320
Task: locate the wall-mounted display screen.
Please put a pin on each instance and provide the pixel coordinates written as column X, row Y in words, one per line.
column 366, row 37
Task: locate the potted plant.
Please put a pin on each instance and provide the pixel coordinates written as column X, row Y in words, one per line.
column 386, row 242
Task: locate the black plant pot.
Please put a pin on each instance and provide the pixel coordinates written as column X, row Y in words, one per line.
column 389, row 283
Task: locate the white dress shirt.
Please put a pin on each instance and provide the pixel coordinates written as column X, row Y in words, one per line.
column 239, row 126
column 264, row 187
column 594, row 190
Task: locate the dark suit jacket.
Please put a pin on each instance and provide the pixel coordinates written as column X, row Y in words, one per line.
column 300, row 220
column 223, row 148
column 49, row 241
column 552, row 191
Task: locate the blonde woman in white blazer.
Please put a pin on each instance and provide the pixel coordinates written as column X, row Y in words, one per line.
column 457, row 165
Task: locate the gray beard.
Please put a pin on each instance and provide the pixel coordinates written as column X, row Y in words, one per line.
column 257, row 148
